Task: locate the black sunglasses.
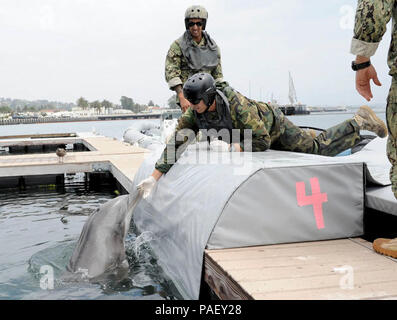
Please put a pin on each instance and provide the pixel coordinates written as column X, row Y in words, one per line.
column 198, row 24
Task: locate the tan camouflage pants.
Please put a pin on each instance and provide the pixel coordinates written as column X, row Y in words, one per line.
column 391, row 120
column 328, row 143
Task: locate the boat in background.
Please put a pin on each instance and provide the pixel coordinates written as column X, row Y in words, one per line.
column 294, row 107
column 149, row 135
column 329, row 109
column 169, row 114
column 169, row 120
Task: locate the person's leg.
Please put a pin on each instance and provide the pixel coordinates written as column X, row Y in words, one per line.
column 328, row 143
column 391, row 119
column 389, row 246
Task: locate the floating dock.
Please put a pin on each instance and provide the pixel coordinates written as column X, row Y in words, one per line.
column 321, row 270
column 103, row 155
column 38, row 120
column 328, row 269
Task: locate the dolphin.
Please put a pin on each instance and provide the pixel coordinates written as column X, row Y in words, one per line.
column 100, row 248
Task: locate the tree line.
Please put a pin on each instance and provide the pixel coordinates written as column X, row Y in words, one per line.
column 125, row 103
column 17, row 105
column 8, row 105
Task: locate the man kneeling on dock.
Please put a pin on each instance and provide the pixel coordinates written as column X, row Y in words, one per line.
column 219, row 108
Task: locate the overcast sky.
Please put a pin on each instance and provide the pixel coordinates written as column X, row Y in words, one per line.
column 103, row 49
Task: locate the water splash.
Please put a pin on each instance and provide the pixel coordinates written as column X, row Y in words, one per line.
column 142, row 239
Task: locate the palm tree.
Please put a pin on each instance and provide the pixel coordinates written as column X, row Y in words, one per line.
column 172, row 102
column 96, row 105
column 106, row 104
column 82, row 103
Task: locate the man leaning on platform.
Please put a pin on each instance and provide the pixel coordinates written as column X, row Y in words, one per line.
column 371, row 19
column 217, row 109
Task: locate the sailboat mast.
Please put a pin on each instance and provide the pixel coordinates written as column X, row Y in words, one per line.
column 292, row 93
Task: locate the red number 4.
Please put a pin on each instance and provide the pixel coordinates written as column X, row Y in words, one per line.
column 316, row 199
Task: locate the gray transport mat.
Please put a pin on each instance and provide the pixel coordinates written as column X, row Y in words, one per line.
column 280, row 205
column 378, row 165
column 381, row 199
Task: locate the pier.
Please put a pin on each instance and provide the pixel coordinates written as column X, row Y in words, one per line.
column 344, row 269
column 36, row 120
column 104, row 155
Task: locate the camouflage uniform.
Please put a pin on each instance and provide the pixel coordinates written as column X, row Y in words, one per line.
column 177, row 70
column 372, row 17
column 270, row 129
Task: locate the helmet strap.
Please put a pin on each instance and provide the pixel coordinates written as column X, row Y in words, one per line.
column 208, row 106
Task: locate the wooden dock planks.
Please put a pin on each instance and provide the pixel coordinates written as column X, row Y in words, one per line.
column 122, row 159
column 334, row 269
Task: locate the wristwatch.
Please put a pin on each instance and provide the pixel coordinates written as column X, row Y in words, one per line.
column 359, row 66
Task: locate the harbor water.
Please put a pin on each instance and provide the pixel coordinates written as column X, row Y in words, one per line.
column 39, row 227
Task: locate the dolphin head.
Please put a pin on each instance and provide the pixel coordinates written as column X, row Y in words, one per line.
column 100, row 248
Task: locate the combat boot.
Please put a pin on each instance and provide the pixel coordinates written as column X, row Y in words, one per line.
column 312, row 133
column 387, row 247
column 368, row 120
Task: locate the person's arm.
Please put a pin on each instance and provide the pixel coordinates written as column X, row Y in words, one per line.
column 173, row 66
column 146, row 186
column 157, row 174
column 173, row 73
column 174, row 147
column 370, row 26
column 236, row 147
column 363, row 78
column 185, row 104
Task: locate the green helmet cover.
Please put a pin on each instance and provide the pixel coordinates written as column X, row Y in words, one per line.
column 196, row 12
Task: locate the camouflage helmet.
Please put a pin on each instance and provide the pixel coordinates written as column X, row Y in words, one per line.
column 196, row 12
